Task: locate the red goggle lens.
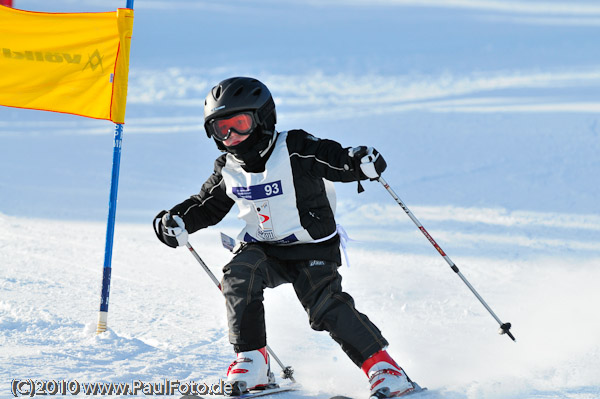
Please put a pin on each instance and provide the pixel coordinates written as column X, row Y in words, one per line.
column 240, row 124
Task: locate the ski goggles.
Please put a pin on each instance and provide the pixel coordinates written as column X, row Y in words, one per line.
column 242, row 124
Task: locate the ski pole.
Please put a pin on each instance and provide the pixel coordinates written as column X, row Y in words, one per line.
column 286, row 372
column 504, row 327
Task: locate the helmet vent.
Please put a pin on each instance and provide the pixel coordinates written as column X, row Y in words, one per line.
column 238, row 91
column 218, row 92
column 257, row 92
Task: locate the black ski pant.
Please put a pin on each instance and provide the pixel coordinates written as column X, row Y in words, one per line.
column 318, row 286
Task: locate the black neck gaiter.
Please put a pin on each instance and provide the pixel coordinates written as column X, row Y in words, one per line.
column 248, row 152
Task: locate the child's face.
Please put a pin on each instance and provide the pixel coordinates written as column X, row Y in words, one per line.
column 235, row 139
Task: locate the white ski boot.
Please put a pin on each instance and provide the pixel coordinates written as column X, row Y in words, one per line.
column 251, row 370
column 387, row 379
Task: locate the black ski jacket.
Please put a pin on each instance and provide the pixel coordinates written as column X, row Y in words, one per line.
column 311, row 160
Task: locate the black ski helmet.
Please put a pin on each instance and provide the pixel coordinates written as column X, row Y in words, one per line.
column 240, row 94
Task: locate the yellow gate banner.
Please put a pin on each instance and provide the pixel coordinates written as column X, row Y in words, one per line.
column 76, row 63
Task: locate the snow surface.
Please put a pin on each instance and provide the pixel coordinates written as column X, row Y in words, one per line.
column 487, row 113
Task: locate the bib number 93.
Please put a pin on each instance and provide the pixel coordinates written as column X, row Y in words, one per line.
column 272, row 188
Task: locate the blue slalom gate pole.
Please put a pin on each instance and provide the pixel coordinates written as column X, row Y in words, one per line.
column 110, row 227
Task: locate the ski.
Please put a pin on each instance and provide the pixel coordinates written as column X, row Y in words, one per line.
column 248, row 395
column 413, row 394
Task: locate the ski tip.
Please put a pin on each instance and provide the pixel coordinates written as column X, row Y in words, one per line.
column 418, row 388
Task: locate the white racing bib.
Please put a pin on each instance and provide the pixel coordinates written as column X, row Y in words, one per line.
column 267, row 200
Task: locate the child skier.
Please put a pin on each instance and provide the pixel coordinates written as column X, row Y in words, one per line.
column 278, row 181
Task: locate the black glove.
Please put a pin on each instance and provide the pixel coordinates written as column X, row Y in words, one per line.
column 369, row 160
column 170, row 229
